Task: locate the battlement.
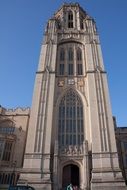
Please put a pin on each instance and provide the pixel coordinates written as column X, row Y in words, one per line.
column 15, row 111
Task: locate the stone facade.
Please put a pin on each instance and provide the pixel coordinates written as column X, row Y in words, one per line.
column 13, row 131
column 71, row 136
column 71, row 125
column 121, row 140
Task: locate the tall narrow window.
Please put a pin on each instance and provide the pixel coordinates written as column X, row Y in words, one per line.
column 70, row 54
column 79, row 62
column 70, row 19
column 1, row 148
column 81, row 23
column 61, row 59
column 79, row 55
column 70, row 61
column 61, row 69
column 62, row 54
column 70, row 122
column 59, row 23
column 7, row 151
column 79, row 69
column 70, row 69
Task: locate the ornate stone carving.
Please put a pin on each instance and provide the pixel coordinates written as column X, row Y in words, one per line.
column 80, row 83
column 73, row 150
column 61, row 83
column 71, row 81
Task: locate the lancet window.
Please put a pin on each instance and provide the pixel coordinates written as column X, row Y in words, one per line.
column 70, row 19
column 81, row 23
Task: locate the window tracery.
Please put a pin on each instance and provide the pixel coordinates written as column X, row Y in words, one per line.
column 70, row 123
column 70, row 60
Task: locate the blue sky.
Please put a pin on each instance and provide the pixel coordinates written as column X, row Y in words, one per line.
column 22, row 24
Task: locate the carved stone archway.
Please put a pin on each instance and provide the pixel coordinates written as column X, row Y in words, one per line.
column 70, row 174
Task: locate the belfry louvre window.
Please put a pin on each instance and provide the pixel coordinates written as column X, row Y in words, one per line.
column 79, row 69
column 70, row 122
column 79, row 55
column 61, row 59
column 70, row 19
column 61, row 69
column 70, row 61
column 70, row 54
column 62, row 54
column 81, row 23
column 79, row 62
column 70, row 69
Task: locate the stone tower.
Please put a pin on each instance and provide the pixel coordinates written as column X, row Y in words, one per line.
column 71, row 134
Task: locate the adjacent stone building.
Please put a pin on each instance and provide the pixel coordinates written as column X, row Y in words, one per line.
column 13, row 133
column 71, row 134
column 121, row 140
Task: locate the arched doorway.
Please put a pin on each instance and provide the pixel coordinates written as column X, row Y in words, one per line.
column 70, row 175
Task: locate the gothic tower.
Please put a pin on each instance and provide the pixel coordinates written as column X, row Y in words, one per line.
column 71, row 134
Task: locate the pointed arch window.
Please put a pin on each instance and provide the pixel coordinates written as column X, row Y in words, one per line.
column 70, row 19
column 79, row 61
column 70, row 120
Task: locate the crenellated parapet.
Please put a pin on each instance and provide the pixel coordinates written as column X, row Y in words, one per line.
column 15, row 111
